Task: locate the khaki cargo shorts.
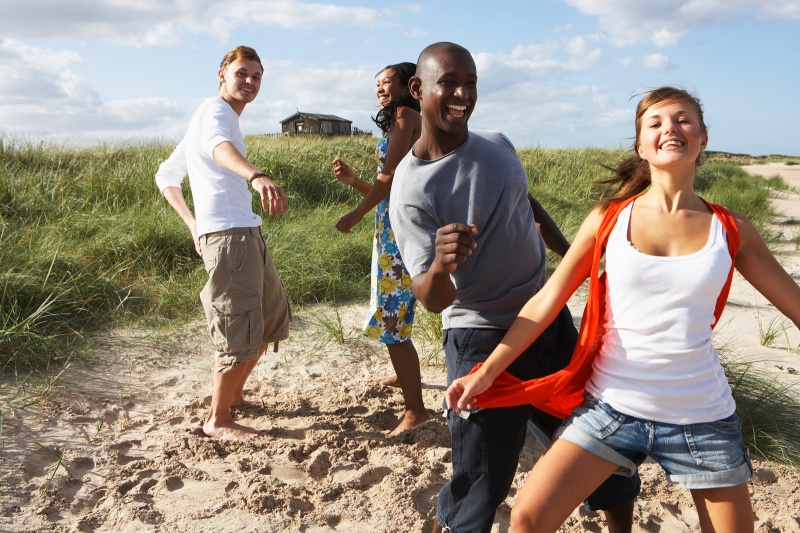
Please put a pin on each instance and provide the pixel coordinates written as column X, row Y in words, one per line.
column 244, row 299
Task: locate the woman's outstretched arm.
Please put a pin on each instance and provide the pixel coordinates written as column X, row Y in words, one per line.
column 404, row 133
column 759, row 267
column 534, row 317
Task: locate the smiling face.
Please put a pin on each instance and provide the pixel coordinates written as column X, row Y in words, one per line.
column 240, row 82
column 671, row 132
column 389, row 87
column 446, row 86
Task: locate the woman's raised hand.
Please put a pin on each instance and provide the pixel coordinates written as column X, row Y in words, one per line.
column 343, row 171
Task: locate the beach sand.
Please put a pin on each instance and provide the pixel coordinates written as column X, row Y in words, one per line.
column 134, row 459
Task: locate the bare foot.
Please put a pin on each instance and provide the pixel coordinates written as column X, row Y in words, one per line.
column 231, row 431
column 241, row 402
column 390, row 381
column 410, row 421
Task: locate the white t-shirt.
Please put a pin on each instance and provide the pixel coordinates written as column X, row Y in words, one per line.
column 222, row 199
column 656, row 360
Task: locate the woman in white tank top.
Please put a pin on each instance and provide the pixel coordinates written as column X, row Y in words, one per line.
column 655, row 387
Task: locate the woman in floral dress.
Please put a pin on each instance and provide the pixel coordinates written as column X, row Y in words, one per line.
column 391, row 314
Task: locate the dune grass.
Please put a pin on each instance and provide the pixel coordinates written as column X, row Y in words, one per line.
column 769, row 410
column 88, row 243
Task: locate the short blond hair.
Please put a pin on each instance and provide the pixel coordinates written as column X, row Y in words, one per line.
column 240, row 52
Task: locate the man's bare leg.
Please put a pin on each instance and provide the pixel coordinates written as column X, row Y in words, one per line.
column 389, row 381
column 219, row 424
column 406, row 364
column 620, row 520
column 238, row 394
column 238, row 397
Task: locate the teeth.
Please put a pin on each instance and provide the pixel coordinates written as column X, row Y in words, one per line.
column 672, row 143
column 458, row 107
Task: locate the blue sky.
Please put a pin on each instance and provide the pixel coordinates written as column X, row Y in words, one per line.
column 552, row 73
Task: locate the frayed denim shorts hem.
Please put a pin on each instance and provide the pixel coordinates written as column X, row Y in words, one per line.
column 695, row 456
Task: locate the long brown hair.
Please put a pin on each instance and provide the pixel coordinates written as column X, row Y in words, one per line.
column 632, row 175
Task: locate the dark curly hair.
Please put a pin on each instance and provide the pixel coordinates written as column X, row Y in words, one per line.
column 387, row 114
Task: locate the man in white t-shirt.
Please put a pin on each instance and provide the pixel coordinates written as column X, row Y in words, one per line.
column 244, row 300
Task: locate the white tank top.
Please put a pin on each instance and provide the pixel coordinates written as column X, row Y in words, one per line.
column 657, row 361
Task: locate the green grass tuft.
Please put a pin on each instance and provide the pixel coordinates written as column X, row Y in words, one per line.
column 769, row 410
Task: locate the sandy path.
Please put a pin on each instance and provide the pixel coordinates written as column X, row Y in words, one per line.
column 133, row 459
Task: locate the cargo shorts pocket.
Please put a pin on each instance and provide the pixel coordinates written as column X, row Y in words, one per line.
column 236, row 324
column 228, row 252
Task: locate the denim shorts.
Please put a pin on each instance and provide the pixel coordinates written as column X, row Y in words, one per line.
column 244, row 299
column 696, row 456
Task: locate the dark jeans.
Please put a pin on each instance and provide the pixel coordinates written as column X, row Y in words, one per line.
column 487, row 444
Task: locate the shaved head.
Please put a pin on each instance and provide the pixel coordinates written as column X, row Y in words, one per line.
column 446, row 86
column 432, row 54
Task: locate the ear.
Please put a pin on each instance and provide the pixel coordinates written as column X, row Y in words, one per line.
column 415, row 87
column 640, row 151
column 221, row 74
column 704, row 141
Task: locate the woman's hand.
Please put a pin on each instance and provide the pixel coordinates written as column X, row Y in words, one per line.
column 462, row 393
column 349, row 221
column 343, row 171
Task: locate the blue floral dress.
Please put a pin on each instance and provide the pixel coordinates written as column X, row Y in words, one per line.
column 391, row 308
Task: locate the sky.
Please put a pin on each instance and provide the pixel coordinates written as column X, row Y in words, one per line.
column 551, row 73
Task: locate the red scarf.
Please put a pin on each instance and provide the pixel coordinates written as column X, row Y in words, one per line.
column 561, row 392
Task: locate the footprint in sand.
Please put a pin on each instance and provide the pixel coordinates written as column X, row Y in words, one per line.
column 122, row 450
column 320, row 464
column 173, row 483
column 288, row 474
column 360, row 477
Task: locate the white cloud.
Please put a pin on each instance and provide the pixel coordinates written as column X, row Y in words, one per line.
column 91, row 20
column 664, row 23
column 139, row 113
column 615, row 118
column 528, row 63
column 577, row 46
column 315, row 86
column 44, row 97
column 656, row 61
column 530, row 112
column 167, row 22
column 779, row 10
column 302, row 16
column 415, row 33
column 601, row 99
column 12, row 50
